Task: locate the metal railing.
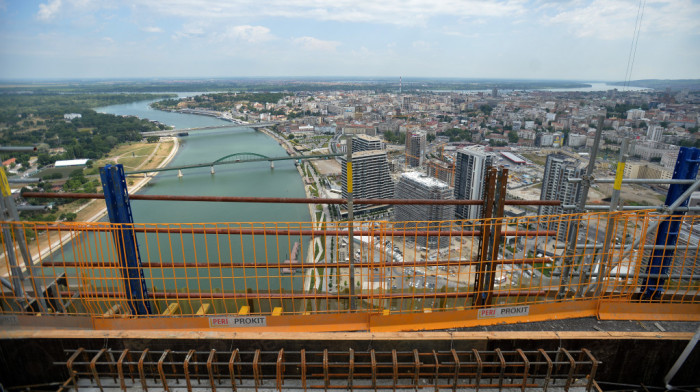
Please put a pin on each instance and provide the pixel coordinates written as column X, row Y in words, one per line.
column 302, row 268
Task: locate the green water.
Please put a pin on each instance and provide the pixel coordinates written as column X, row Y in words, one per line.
column 250, row 179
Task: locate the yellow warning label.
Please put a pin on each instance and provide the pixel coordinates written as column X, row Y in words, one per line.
column 4, row 184
column 618, row 176
column 349, row 177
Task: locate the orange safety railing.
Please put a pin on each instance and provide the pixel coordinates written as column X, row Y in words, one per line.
column 303, row 268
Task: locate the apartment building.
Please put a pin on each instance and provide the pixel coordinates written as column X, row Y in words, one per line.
column 470, row 172
column 555, row 186
column 415, row 147
column 416, row 185
column 370, row 178
column 366, row 143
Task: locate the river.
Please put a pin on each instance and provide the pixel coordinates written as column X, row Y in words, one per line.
column 249, row 179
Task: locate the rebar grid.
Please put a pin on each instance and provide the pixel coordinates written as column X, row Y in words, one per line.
column 329, row 369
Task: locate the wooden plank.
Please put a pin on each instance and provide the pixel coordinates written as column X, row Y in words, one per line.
column 173, row 309
column 204, row 309
column 648, row 311
column 22, row 332
column 114, row 310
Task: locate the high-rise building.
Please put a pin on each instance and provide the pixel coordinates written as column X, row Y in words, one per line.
column 443, row 171
column 416, row 185
column 470, row 172
column 635, row 114
column 415, row 148
column 362, row 142
column 370, row 178
column 655, row 133
column 555, row 186
column 406, row 102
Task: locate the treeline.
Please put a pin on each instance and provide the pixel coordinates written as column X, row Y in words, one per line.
column 395, row 137
column 299, row 85
column 620, row 109
column 15, row 107
column 37, row 120
column 91, row 136
column 458, row 135
column 221, row 101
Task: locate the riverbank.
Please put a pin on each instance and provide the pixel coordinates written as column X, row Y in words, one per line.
column 92, row 215
column 310, row 283
column 300, row 168
column 226, row 116
column 93, row 210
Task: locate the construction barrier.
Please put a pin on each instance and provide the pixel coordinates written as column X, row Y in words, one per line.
column 297, row 276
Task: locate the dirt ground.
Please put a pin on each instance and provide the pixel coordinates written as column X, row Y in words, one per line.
column 632, row 194
column 327, row 167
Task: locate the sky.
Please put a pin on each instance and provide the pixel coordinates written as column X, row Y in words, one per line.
column 520, row 39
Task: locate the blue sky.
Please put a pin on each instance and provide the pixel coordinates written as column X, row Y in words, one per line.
column 537, row 39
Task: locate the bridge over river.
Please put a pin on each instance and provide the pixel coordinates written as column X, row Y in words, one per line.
column 239, row 157
column 174, row 132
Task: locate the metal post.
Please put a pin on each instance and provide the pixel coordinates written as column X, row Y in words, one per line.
column 495, row 238
column 681, row 360
column 119, row 210
column 661, row 259
column 603, row 267
column 481, row 279
column 351, row 237
column 9, row 213
column 573, row 232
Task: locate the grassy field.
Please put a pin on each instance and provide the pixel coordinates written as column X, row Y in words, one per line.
column 134, row 155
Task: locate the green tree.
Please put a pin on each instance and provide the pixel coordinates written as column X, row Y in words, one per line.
column 513, row 137
column 68, row 216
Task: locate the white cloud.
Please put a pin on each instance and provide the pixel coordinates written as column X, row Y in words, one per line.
column 248, row 33
column 420, row 45
column 398, row 12
column 190, row 30
column 311, row 43
column 152, row 29
column 459, row 34
column 49, row 10
column 615, row 19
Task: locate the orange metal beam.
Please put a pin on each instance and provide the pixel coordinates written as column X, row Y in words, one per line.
column 614, row 310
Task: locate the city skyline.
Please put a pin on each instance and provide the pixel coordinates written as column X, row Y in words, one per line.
column 569, row 40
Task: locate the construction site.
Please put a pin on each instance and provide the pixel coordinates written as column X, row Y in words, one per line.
column 583, row 300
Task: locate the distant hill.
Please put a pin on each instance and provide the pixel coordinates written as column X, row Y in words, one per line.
column 663, row 84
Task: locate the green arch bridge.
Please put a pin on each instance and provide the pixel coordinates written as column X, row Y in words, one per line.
column 239, row 157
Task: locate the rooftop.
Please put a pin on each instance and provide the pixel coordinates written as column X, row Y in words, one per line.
column 71, row 162
column 368, row 153
column 367, row 137
column 425, row 180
